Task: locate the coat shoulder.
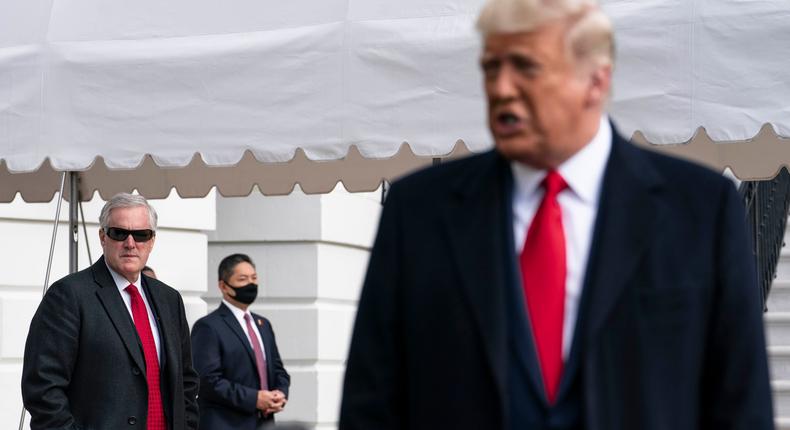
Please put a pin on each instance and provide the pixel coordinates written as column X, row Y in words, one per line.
column 432, row 185
column 444, row 173
column 684, row 173
column 684, row 168
column 260, row 319
column 165, row 289
column 77, row 283
column 210, row 319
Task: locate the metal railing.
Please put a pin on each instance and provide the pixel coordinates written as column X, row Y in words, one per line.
column 767, row 203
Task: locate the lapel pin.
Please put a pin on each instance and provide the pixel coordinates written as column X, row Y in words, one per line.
column 260, row 322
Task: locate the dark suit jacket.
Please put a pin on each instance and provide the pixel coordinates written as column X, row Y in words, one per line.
column 670, row 318
column 84, row 366
column 229, row 380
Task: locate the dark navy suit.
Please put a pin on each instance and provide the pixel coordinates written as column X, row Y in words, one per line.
column 84, row 366
column 229, row 382
column 669, row 333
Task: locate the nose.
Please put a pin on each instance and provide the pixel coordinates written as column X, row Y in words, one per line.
column 503, row 85
column 129, row 242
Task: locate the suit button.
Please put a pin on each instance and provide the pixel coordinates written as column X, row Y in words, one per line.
column 132, row 421
column 135, row 371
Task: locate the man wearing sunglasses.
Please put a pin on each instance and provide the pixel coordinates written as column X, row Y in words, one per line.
column 109, row 347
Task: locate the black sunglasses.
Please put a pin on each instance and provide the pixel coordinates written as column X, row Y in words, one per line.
column 120, row 234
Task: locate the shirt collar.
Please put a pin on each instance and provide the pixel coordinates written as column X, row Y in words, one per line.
column 582, row 172
column 238, row 313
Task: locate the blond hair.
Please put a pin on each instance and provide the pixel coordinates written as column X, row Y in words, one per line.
column 589, row 36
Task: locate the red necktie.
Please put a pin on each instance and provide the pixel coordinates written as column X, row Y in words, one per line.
column 156, row 416
column 260, row 362
column 543, row 275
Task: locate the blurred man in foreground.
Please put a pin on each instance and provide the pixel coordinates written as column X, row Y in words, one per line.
column 564, row 280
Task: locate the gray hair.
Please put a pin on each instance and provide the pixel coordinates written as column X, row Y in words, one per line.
column 126, row 200
column 589, row 38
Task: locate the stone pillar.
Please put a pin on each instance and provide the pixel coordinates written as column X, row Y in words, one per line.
column 311, row 252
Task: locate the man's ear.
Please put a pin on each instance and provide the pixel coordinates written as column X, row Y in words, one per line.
column 599, row 85
column 101, row 236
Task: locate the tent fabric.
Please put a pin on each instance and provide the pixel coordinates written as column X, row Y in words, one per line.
column 123, row 80
column 716, row 64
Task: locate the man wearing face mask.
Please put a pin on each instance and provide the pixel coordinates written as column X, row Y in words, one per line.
column 242, row 380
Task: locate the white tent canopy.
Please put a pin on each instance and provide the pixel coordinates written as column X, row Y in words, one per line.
column 201, row 83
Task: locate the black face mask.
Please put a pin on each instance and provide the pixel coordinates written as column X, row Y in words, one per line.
column 245, row 294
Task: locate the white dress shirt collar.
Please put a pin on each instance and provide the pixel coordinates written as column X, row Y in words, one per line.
column 237, row 312
column 582, row 172
column 122, row 282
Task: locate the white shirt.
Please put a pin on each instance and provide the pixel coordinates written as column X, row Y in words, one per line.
column 583, row 173
column 239, row 314
column 122, row 283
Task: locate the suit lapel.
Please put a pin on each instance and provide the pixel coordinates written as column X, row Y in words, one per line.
column 521, row 338
column 161, row 313
column 474, row 220
column 233, row 323
column 168, row 364
column 116, row 309
column 628, row 211
column 265, row 344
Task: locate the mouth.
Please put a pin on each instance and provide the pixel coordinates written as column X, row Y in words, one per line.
column 507, row 124
column 507, row 118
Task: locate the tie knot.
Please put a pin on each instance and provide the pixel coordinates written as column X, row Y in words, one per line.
column 132, row 290
column 554, row 183
column 247, row 317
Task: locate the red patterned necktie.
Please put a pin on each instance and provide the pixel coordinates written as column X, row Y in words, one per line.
column 260, row 361
column 156, row 417
column 543, row 273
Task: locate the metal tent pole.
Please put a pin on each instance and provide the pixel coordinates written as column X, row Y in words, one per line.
column 384, row 189
column 49, row 262
column 85, row 232
column 74, row 232
column 54, row 234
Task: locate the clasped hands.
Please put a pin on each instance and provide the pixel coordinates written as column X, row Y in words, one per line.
column 270, row 402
